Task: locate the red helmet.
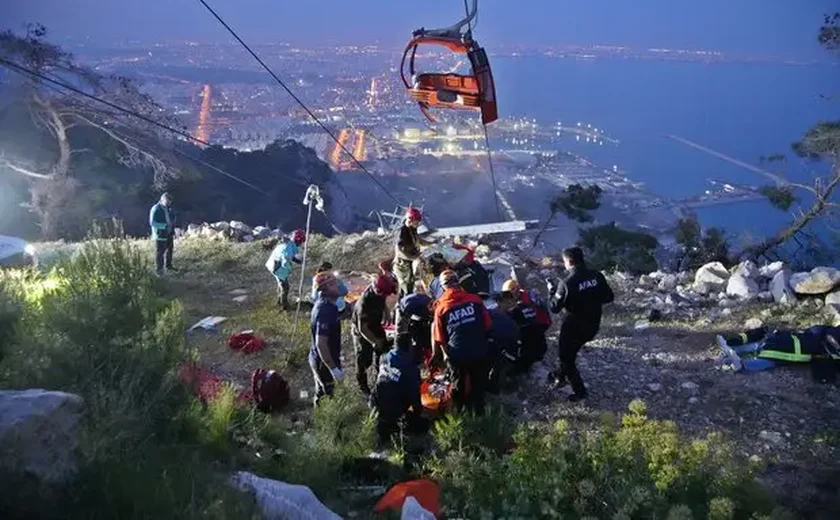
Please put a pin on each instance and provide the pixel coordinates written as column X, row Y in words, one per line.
column 414, row 215
column 299, row 236
column 385, row 285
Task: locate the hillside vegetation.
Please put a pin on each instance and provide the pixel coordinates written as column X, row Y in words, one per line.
column 100, row 325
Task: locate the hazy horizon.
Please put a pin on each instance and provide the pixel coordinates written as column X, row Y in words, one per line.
column 753, row 27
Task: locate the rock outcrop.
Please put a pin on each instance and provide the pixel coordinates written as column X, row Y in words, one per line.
column 38, row 433
column 820, row 280
column 711, row 277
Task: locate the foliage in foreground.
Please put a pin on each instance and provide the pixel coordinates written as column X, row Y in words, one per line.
column 640, row 468
column 97, row 326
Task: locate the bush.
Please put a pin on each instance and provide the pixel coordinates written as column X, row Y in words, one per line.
column 699, row 247
column 610, row 248
column 97, row 326
column 639, row 469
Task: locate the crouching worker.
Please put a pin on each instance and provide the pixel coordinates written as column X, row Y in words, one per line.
column 325, row 352
column 397, row 392
column 532, row 346
column 369, row 338
column 765, row 349
column 503, row 345
column 280, row 265
column 460, row 327
column 416, row 313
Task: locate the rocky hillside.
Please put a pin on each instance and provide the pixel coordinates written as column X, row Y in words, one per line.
column 657, row 344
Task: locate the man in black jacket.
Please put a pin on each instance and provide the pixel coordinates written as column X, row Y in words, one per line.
column 369, row 336
column 581, row 293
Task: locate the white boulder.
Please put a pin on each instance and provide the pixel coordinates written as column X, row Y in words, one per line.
column 780, row 288
column 747, row 269
column 240, row 227
column 38, row 432
column 220, row 226
column 261, row 232
column 711, row 276
column 819, row 281
column 741, row 286
column 280, row 501
column 832, row 298
column 770, row 270
column 753, row 323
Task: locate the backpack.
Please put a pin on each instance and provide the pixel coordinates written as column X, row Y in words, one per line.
column 270, row 390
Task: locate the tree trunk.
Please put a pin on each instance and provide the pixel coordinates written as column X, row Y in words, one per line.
column 823, row 196
column 543, row 228
column 52, row 196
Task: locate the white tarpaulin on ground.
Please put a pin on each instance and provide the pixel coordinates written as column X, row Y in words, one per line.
column 280, row 501
column 208, row 323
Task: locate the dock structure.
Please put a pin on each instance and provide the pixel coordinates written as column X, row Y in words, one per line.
column 776, row 178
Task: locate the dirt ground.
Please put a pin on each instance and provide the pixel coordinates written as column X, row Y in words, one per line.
column 782, row 417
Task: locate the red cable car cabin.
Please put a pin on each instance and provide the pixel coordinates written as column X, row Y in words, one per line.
column 450, row 90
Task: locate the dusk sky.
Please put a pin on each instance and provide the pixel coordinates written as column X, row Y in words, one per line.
column 786, row 27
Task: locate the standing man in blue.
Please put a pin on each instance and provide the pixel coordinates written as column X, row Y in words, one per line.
column 325, row 350
column 280, row 265
column 162, row 222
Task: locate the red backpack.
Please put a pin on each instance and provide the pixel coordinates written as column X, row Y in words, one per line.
column 271, row 391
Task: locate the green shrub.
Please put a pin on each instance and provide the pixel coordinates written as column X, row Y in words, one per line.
column 610, row 248
column 97, row 325
column 639, row 469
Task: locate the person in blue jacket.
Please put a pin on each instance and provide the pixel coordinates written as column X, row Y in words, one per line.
column 280, row 265
column 162, row 222
column 397, row 391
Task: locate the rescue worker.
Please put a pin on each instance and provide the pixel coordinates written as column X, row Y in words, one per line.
column 460, row 328
column 768, row 349
column 325, row 325
column 369, row 338
column 437, row 264
column 531, row 297
column 503, row 343
column 581, row 293
column 416, row 311
column 162, row 222
column 407, row 251
column 340, row 302
column 532, row 345
column 397, row 391
column 280, row 265
column 474, row 278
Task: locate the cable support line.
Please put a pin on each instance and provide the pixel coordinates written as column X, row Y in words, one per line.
column 296, row 98
column 492, row 173
column 14, row 67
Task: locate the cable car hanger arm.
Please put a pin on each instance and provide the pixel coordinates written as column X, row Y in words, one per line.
column 454, row 31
